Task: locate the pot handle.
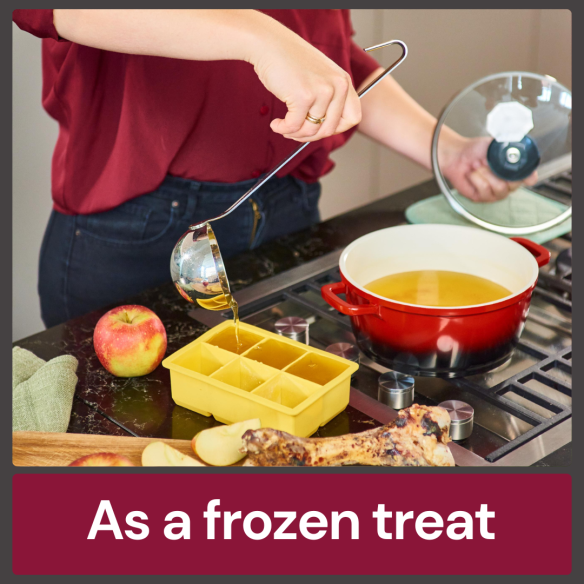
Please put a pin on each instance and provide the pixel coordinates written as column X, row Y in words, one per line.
column 540, row 253
column 330, row 294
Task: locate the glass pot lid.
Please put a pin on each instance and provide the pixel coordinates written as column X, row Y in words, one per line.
column 524, row 121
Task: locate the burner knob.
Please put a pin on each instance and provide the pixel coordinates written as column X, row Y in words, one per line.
column 346, row 351
column 293, row 327
column 461, row 418
column 395, row 390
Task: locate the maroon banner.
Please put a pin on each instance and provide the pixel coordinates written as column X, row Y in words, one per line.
column 292, row 524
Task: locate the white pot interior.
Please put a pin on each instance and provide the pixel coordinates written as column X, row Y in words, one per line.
column 439, row 247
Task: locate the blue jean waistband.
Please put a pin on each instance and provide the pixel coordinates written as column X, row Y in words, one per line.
column 184, row 184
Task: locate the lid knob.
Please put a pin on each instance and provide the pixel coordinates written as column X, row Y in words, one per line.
column 513, row 161
column 513, row 155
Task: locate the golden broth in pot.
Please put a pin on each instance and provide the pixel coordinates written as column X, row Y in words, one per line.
column 437, row 288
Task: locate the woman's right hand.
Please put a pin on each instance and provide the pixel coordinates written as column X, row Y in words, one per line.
column 307, row 81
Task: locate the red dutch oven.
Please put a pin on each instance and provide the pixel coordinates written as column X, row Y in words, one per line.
column 437, row 341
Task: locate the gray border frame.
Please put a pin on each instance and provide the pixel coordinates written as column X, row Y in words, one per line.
column 575, row 470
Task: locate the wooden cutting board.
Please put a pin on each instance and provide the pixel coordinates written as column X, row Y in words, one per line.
column 59, row 449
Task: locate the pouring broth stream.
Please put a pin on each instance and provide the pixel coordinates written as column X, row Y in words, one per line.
column 437, row 288
column 221, row 302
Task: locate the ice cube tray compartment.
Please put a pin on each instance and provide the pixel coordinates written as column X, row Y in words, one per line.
column 204, row 359
column 285, row 390
column 226, row 339
column 289, row 386
column 317, row 369
column 275, row 353
column 244, row 374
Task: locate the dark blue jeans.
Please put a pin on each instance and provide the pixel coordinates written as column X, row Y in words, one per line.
column 90, row 261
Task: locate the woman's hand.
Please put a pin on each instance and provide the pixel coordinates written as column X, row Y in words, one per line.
column 393, row 118
column 464, row 163
column 307, row 81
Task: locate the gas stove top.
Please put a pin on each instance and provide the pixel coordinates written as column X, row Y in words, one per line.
column 522, row 410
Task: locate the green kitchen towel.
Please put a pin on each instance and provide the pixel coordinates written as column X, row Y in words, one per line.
column 520, row 208
column 42, row 392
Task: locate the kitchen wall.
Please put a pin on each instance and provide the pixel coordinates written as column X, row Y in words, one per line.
column 448, row 50
column 34, row 135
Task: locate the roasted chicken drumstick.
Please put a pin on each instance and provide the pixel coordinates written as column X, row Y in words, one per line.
column 418, row 437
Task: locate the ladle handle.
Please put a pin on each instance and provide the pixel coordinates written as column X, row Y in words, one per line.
column 303, row 146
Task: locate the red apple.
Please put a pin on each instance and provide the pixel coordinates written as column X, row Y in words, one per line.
column 102, row 459
column 130, row 341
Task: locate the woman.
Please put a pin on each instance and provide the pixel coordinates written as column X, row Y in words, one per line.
column 167, row 117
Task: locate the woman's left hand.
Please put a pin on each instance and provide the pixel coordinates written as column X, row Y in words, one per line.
column 464, row 163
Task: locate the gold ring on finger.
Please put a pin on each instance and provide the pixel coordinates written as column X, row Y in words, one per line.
column 315, row 120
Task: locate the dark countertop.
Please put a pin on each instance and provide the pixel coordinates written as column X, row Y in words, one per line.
column 143, row 406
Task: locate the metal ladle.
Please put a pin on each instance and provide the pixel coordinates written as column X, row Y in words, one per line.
column 196, row 265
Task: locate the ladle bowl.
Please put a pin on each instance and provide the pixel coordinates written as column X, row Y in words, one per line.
column 196, row 265
column 197, row 269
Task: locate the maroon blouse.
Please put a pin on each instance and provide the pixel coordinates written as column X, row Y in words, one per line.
column 126, row 121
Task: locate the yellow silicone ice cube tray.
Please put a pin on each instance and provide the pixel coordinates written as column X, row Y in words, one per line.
column 287, row 385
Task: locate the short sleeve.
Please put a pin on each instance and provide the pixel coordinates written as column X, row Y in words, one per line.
column 37, row 22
